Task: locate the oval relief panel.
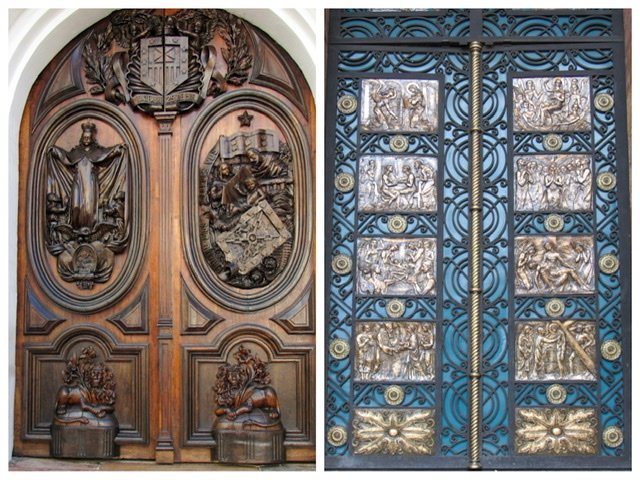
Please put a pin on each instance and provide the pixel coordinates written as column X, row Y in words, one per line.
column 89, row 207
column 247, row 235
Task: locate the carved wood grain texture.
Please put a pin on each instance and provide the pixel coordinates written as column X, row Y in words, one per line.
column 153, row 320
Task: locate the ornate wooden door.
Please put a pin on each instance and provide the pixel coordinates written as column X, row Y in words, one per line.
column 478, row 282
column 166, row 233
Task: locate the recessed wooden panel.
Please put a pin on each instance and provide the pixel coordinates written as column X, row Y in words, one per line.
column 45, row 364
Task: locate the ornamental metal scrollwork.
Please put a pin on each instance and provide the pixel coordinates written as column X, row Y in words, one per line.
column 86, row 208
column 246, row 208
column 158, row 63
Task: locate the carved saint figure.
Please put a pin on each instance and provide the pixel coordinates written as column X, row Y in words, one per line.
column 551, row 104
column 243, row 392
column 395, row 351
column 86, row 207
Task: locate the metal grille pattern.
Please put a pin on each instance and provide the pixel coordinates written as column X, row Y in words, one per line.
column 586, row 46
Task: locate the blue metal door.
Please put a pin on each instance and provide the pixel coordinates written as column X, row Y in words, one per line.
column 478, row 273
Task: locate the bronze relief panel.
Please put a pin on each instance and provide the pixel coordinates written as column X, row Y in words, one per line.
column 399, row 105
column 559, row 183
column 556, row 350
column 396, row 266
column 552, row 104
column 554, row 265
column 397, row 184
column 395, row 351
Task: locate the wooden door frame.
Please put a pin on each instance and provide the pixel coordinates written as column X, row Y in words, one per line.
column 36, row 36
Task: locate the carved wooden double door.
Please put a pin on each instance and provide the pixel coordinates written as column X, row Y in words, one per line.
column 165, row 229
column 478, row 281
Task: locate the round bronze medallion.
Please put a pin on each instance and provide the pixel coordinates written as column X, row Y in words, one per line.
column 552, row 142
column 394, row 395
column 339, row 349
column 608, row 263
column 397, row 224
column 610, row 350
column 347, row 104
column 399, row 143
column 612, row 437
column 337, row 436
column 606, row 181
column 554, row 223
column 341, row 264
column 603, row 102
column 556, row 394
column 344, row 182
column 395, row 308
column 554, row 307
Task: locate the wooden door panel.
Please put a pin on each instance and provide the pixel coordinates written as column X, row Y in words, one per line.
column 114, row 264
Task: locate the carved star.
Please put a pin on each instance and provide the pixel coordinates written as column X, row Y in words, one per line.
column 245, row 119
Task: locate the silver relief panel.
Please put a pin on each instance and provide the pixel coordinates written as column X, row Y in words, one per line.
column 399, row 105
column 554, row 265
column 553, row 183
column 395, row 351
column 556, row 350
column 396, row 266
column 397, row 184
column 551, row 104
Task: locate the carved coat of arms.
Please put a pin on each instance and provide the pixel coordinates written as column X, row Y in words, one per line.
column 166, row 63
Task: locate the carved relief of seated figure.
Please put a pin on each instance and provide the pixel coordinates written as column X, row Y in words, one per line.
column 88, row 395
column 244, row 394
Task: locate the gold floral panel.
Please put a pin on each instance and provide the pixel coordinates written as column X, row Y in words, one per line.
column 393, row 432
column 552, row 104
column 554, row 265
column 548, row 183
column 556, row 350
column 397, row 184
column 399, row 105
column 395, row 351
column 556, row 431
column 396, row 266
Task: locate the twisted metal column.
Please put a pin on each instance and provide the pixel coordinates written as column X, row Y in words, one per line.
column 475, row 257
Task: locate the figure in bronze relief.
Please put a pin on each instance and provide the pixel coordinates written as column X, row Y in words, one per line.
column 554, row 265
column 545, row 104
column 553, row 183
column 246, row 208
column 86, row 208
column 399, row 105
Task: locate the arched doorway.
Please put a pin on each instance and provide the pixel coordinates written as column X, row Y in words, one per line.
column 156, row 296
